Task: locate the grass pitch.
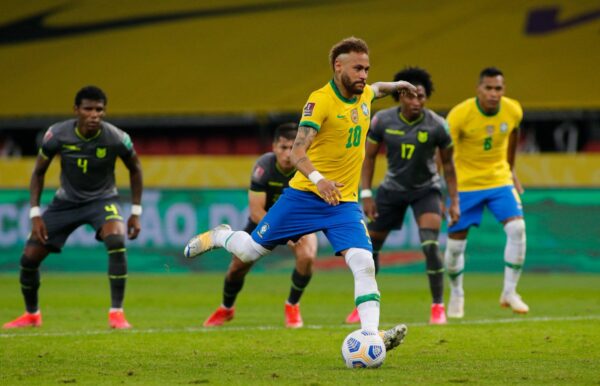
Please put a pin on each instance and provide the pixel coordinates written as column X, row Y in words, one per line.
column 557, row 343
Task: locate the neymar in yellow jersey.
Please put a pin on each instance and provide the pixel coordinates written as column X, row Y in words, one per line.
column 484, row 131
column 328, row 153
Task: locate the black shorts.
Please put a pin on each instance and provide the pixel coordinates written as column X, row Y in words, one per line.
column 63, row 217
column 392, row 206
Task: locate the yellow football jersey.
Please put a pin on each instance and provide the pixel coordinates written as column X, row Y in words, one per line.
column 338, row 149
column 481, row 143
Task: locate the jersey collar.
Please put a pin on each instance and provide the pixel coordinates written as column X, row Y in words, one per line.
column 280, row 170
column 482, row 111
column 410, row 123
column 80, row 136
column 339, row 94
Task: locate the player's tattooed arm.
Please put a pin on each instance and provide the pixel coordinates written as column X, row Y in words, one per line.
column 304, row 139
column 382, row 89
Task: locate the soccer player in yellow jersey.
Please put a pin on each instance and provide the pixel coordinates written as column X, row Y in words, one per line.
column 484, row 131
column 328, row 153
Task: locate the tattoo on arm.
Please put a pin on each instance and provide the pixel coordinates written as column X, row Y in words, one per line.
column 305, row 137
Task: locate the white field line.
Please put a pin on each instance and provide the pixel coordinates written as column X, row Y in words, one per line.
column 524, row 319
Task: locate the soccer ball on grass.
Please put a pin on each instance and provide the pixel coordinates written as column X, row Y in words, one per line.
column 363, row 348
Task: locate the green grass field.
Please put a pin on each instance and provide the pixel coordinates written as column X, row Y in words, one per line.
column 557, row 343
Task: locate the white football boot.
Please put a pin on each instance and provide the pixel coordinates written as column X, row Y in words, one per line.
column 203, row 242
column 456, row 306
column 514, row 301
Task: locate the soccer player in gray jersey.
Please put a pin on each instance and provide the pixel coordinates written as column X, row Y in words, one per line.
column 411, row 134
column 270, row 175
column 88, row 148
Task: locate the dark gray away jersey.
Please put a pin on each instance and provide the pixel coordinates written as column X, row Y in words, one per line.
column 410, row 148
column 87, row 164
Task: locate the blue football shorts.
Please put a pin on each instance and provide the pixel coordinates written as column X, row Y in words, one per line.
column 297, row 213
column 504, row 202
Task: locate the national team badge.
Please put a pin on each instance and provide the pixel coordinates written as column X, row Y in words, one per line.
column 354, row 115
column 503, row 127
column 101, row 152
column 365, row 109
column 308, row 109
column 263, row 229
column 422, row 136
column 489, row 129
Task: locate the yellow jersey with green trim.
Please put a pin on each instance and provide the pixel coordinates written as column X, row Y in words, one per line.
column 481, row 143
column 338, row 149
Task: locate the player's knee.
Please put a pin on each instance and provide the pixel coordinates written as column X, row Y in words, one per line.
column 114, row 242
column 515, row 230
column 249, row 250
column 360, row 262
column 454, row 257
column 430, row 247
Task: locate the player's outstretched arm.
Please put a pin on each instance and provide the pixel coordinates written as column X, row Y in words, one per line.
column 382, row 89
column 135, row 180
column 450, row 177
column 328, row 189
column 38, row 228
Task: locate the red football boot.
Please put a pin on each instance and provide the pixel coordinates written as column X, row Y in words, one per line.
column 25, row 320
column 220, row 316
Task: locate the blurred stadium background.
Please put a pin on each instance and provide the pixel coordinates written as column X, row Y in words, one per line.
column 200, row 85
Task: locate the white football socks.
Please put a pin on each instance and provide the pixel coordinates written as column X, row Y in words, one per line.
column 454, row 259
column 514, row 254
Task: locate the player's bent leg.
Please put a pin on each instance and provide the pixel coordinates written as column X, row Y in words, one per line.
column 117, row 276
column 29, row 279
column 233, row 284
column 366, row 293
column 455, row 263
column 377, row 239
column 305, row 251
column 514, row 257
column 435, row 273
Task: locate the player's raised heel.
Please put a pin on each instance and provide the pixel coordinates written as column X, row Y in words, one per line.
column 514, row 301
column 203, row 242
column 394, row 336
column 219, row 317
column 353, row 317
column 25, row 320
column 456, row 307
column 116, row 320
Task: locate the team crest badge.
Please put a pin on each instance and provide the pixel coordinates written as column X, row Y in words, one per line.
column 422, row 136
column 503, row 127
column 354, row 115
column 263, row 229
column 101, row 152
column 489, row 129
column 365, row 109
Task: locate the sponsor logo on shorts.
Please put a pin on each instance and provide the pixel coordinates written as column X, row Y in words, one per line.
column 264, row 228
column 308, row 109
